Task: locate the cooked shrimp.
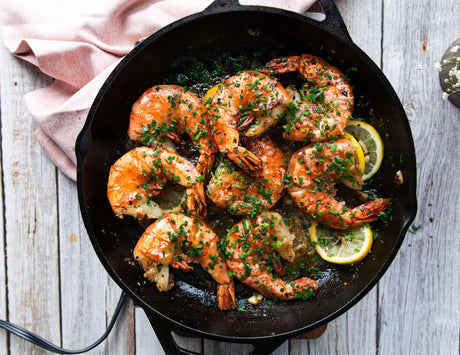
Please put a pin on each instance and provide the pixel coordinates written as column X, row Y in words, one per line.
column 315, row 170
column 178, row 240
column 170, row 110
column 323, row 107
column 252, row 255
column 245, row 194
column 233, row 108
column 140, row 175
column 266, row 119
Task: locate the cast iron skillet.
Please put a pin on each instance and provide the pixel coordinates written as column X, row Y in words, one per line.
column 103, row 138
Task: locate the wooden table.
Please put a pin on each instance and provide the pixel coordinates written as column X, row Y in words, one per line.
column 52, row 282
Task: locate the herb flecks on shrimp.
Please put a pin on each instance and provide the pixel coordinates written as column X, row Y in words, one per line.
column 244, row 194
column 314, row 171
column 233, row 107
column 253, row 248
column 138, row 177
column 177, row 240
column 167, row 111
column 322, row 108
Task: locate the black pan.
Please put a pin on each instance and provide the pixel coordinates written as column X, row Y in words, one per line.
column 103, row 137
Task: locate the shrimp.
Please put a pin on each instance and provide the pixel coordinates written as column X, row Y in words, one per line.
column 266, row 119
column 178, row 240
column 245, row 194
column 315, row 169
column 322, row 109
column 170, row 110
column 233, row 107
column 139, row 175
column 250, row 249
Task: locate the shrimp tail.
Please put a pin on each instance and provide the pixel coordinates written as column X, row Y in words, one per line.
column 282, row 65
column 183, row 264
column 276, row 288
column 369, row 211
column 175, row 137
column 226, row 296
column 304, row 285
column 247, row 122
column 248, row 160
column 196, row 201
column 205, row 162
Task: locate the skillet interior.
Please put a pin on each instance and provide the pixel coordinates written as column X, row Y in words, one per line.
column 104, row 138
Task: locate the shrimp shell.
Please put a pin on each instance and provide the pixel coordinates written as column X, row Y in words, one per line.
column 244, row 194
column 322, row 109
column 251, row 255
column 247, row 93
column 314, row 171
column 139, row 175
column 177, row 240
column 170, row 110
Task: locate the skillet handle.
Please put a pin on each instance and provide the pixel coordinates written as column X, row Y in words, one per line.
column 267, row 346
column 223, row 5
column 163, row 329
column 334, row 22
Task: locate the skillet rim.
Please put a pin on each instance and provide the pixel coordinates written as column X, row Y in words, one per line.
column 81, row 150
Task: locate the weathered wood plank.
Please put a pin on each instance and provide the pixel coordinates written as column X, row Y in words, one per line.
column 88, row 295
column 419, row 297
column 148, row 343
column 3, row 280
column 351, row 333
column 30, row 212
column 122, row 339
column 146, row 340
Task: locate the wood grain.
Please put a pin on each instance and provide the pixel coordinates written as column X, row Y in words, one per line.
column 3, row 279
column 52, row 282
column 419, row 295
column 30, row 212
column 89, row 296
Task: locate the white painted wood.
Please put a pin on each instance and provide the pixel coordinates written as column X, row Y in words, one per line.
column 146, row 340
column 419, row 295
column 3, row 280
column 30, row 212
column 121, row 340
column 364, row 23
column 89, row 296
column 351, row 333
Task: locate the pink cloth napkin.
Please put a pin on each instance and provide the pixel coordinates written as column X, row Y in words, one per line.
column 79, row 43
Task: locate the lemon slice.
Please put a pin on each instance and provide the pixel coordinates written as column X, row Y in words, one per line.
column 372, row 145
column 341, row 246
column 359, row 150
column 359, row 160
column 210, row 94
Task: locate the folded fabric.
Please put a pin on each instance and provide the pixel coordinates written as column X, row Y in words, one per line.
column 79, row 44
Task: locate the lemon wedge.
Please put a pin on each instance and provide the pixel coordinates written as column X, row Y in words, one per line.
column 210, row 94
column 371, row 144
column 341, row 246
column 359, row 150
